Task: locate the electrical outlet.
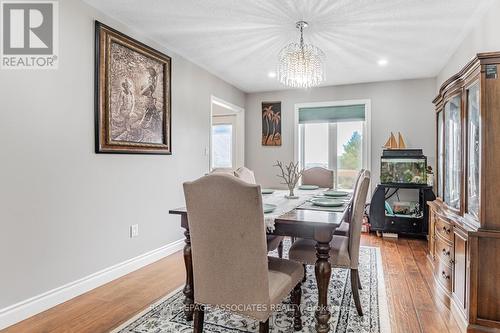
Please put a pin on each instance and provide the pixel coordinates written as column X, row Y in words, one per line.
column 134, row 230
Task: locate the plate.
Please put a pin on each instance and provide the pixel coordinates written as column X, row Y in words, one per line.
column 336, row 193
column 327, row 202
column 308, row 187
column 267, row 191
column 269, row 208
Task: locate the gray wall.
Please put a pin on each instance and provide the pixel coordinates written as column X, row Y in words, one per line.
column 65, row 212
column 404, row 106
column 482, row 38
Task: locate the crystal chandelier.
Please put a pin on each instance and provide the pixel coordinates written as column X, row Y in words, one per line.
column 301, row 65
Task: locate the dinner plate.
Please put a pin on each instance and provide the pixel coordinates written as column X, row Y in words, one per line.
column 335, row 193
column 269, row 208
column 327, row 202
column 267, row 191
column 308, row 187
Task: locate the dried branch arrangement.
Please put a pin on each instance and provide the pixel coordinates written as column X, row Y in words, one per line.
column 290, row 173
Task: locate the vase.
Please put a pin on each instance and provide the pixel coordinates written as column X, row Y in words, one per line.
column 291, row 194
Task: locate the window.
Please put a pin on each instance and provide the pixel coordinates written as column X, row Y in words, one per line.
column 333, row 138
column 222, row 146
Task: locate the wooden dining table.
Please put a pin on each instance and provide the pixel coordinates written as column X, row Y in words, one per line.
column 300, row 223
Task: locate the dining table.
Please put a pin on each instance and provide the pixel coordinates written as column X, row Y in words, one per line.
column 296, row 218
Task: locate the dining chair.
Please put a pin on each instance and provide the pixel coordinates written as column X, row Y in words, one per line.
column 343, row 229
column 344, row 251
column 318, row 176
column 245, row 174
column 273, row 242
column 226, row 171
column 231, row 269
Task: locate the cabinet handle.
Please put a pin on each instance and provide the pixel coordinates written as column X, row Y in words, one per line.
column 444, row 275
column 446, row 253
column 392, row 222
column 447, row 230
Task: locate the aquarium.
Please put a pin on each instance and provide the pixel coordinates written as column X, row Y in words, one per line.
column 403, row 170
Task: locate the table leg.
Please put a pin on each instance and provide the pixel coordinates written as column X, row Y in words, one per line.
column 188, row 288
column 323, row 272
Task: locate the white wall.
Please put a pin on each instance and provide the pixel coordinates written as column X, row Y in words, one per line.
column 65, row 211
column 482, row 38
column 404, row 106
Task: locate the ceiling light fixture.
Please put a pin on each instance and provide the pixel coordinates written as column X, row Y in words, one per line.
column 272, row 75
column 301, row 65
column 382, row 62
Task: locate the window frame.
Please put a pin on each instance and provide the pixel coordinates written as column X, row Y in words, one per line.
column 366, row 143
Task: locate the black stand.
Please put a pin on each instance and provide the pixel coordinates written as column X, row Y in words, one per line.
column 415, row 226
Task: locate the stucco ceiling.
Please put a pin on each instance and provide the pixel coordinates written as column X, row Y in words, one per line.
column 239, row 40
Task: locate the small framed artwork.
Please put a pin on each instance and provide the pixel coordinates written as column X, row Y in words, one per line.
column 132, row 95
column 271, row 123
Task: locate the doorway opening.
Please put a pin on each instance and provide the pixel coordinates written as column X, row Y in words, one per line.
column 227, row 135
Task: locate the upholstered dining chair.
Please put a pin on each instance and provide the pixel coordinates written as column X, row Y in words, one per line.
column 318, row 176
column 245, row 174
column 343, row 229
column 344, row 251
column 273, row 242
column 226, row 171
column 231, row 269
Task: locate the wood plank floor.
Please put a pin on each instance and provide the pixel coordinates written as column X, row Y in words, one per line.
column 415, row 305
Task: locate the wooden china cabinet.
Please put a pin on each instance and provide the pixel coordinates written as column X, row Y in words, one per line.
column 464, row 231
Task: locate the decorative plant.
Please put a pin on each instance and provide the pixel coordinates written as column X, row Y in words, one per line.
column 290, row 173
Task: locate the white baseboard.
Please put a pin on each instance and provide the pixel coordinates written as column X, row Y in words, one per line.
column 27, row 308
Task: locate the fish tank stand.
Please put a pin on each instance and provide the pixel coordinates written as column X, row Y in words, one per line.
column 414, row 224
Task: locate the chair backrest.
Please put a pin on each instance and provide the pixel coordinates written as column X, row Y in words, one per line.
column 224, row 171
column 318, row 176
column 246, row 175
column 355, row 189
column 358, row 208
column 228, row 241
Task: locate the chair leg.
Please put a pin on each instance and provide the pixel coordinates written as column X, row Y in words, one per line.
column 264, row 327
column 280, row 250
column 305, row 274
column 355, row 291
column 297, row 315
column 199, row 317
column 359, row 281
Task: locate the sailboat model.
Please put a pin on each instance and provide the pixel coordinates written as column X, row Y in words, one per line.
column 392, row 143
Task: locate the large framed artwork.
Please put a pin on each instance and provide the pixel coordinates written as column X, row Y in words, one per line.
column 271, row 123
column 132, row 95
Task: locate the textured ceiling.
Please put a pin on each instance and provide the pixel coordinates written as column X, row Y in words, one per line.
column 239, row 40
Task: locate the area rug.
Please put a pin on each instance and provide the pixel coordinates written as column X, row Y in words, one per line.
column 167, row 314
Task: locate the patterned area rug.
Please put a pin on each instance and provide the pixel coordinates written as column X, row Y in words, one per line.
column 167, row 314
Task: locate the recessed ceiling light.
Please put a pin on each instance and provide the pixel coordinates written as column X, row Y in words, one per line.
column 382, row 62
column 272, row 75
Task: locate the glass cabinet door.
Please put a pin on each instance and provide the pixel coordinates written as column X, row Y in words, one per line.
column 473, row 150
column 452, row 160
column 440, row 153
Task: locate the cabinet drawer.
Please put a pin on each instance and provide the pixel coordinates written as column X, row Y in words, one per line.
column 403, row 225
column 443, row 274
column 443, row 229
column 444, row 251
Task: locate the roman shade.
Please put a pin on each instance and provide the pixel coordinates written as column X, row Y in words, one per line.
column 331, row 114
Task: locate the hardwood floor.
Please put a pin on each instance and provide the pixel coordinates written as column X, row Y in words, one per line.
column 415, row 305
